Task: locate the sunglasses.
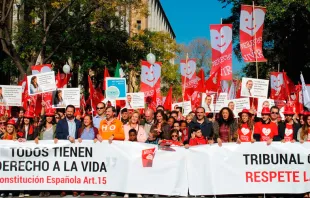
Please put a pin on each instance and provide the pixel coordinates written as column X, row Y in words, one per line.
column 274, row 112
column 174, row 136
column 57, row 117
column 2, row 123
column 100, row 108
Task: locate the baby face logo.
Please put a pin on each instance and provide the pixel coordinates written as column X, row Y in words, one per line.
column 189, row 69
column 150, row 75
column 276, row 82
column 220, row 40
column 247, row 21
column 266, row 131
column 245, row 131
column 288, row 132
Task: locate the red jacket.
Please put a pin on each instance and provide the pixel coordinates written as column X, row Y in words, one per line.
column 198, row 141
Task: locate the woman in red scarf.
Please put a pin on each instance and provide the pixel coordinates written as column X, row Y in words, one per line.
column 245, row 127
column 27, row 130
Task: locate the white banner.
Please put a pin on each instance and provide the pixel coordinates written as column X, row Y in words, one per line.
column 10, row 95
column 249, row 168
column 89, row 166
column 40, row 83
column 66, row 96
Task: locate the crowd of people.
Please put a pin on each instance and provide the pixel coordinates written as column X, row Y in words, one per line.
column 163, row 127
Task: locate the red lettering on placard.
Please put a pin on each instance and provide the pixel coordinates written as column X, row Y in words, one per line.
column 273, row 176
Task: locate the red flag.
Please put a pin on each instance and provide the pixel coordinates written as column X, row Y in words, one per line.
column 251, row 35
column 153, row 104
column 37, row 69
column 201, row 84
column 168, row 101
column 95, row 95
column 62, row 79
column 214, row 81
column 221, row 42
column 105, row 75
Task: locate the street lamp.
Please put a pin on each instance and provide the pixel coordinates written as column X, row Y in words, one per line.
column 151, row 58
column 66, row 68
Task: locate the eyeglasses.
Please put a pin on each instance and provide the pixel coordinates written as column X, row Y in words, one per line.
column 274, row 112
column 57, row 117
column 100, row 108
column 174, row 136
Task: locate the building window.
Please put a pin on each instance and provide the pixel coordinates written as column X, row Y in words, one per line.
column 138, row 24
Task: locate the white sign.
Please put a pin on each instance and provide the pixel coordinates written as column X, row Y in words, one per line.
column 40, row 83
column 263, row 102
column 220, row 102
column 186, row 105
column 89, row 166
column 66, row 96
column 237, row 105
column 207, row 102
column 10, row 95
column 135, row 100
column 249, row 168
column 252, row 87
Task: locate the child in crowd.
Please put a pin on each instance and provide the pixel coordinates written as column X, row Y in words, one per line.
column 196, row 138
column 175, row 138
column 132, row 135
column 153, row 137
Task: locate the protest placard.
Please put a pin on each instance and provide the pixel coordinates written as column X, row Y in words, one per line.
column 10, row 95
column 252, row 87
column 66, row 96
column 41, row 83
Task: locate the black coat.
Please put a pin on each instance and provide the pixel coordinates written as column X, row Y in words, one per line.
column 206, row 129
column 281, row 129
column 62, row 129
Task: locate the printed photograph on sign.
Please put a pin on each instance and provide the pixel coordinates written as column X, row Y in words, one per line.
column 135, row 100
column 41, row 83
column 252, row 87
column 186, row 105
column 220, row 102
column 10, row 95
column 116, row 88
column 264, row 102
column 61, row 98
column 207, row 102
column 237, row 105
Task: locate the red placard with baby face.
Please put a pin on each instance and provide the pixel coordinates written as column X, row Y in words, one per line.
column 221, row 43
column 188, row 73
column 150, row 79
column 251, row 33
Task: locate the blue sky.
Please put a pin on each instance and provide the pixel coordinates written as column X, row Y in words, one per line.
column 191, row 19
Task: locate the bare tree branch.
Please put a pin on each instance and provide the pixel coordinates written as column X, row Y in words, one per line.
column 9, row 10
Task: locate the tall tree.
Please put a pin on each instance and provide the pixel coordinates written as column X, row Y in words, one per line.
column 49, row 30
column 165, row 50
column 287, row 25
column 199, row 48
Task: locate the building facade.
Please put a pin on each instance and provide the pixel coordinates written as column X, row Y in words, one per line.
column 156, row 20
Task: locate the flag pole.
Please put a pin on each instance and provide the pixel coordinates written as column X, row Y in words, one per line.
column 184, row 88
column 255, row 41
